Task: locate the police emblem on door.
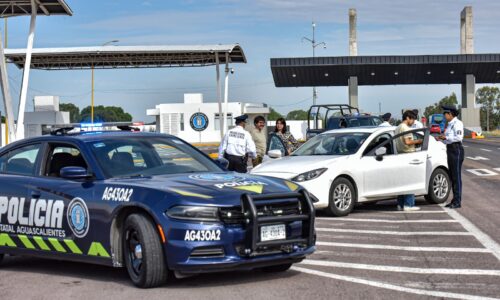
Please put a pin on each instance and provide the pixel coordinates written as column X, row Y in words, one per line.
column 78, row 217
column 199, row 121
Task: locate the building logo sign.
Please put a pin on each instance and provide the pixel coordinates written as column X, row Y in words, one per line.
column 199, row 121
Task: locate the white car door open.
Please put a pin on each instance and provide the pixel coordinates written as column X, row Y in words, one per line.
column 395, row 174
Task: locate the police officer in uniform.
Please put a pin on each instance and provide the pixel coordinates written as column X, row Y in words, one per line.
column 452, row 137
column 237, row 145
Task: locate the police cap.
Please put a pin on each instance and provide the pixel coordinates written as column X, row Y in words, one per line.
column 450, row 109
column 242, row 118
column 386, row 116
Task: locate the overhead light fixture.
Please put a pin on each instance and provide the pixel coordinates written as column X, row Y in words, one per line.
column 452, row 72
column 372, row 73
column 428, row 72
column 498, row 71
column 326, row 74
column 396, row 73
column 294, row 75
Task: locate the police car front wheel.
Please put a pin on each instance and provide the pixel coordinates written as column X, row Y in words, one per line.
column 143, row 253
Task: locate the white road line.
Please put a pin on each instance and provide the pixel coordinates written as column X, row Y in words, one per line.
column 405, row 248
column 487, row 150
column 477, row 158
column 399, row 269
column 393, row 287
column 465, row 146
column 385, row 221
column 405, row 233
column 482, row 237
column 401, row 212
column 496, row 169
column 481, row 172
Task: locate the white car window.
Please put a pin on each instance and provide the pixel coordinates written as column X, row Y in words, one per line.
column 333, row 144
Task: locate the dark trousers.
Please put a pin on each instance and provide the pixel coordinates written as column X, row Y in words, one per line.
column 455, row 154
column 236, row 163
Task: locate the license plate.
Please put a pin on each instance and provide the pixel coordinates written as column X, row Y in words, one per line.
column 273, row 232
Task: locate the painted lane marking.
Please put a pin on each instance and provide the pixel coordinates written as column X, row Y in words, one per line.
column 496, row 169
column 399, row 269
column 477, row 158
column 450, row 233
column 405, row 248
column 487, row 150
column 402, row 212
column 393, row 287
column 386, row 221
column 482, row 172
column 482, row 237
column 465, row 146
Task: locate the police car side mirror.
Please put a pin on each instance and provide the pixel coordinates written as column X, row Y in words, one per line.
column 74, row 173
column 274, row 153
column 380, row 152
column 222, row 162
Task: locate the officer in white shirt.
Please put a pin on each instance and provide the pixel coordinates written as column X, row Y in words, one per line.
column 237, row 145
column 452, row 137
column 386, row 117
column 417, row 124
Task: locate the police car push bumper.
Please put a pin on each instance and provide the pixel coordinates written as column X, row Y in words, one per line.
column 218, row 246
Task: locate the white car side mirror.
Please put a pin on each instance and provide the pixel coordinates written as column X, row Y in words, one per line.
column 380, row 152
column 274, row 153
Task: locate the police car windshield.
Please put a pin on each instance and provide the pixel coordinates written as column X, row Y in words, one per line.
column 332, row 144
column 139, row 156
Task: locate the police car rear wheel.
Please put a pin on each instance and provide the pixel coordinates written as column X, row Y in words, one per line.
column 439, row 187
column 342, row 197
column 277, row 268
column 143, row 252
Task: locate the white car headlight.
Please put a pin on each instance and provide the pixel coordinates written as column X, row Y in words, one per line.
column 309, row 175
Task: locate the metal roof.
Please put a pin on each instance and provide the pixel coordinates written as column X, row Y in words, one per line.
column 11, row 8
column 385, row 70
column 108, row 57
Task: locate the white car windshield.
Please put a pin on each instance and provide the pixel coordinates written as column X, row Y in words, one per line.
column 340, row 143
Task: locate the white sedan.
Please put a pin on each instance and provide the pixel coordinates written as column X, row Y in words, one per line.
column 343, row 167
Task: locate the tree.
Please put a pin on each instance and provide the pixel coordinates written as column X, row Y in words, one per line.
column 273, row 115
column 298, row 114
column 74, row 111
column 106, row 114
column 436, row 107
column 489, row 98
column 3, row 119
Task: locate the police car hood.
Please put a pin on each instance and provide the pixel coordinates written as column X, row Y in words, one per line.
column 224, row 188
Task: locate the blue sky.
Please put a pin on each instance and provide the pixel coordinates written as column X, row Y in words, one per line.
column 265, row 29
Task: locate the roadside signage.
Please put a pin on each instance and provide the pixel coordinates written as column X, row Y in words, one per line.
column 199, row 121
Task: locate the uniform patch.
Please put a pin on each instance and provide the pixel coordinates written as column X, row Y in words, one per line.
column 78, row 217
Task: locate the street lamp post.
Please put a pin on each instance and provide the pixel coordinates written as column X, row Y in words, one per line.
column 314, row 44
column 92, row 84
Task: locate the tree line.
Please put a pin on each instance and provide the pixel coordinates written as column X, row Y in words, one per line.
column 101, row 113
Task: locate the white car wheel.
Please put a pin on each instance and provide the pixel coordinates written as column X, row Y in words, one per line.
column 342, row 197
column 439, row 187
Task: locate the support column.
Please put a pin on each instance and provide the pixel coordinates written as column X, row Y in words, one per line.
column 353, row 91
column 219, row 100
column 353, row 51
column 470, row 114
column 466, row 32
column 26, row 73
column 226, row 93
column 7, row 99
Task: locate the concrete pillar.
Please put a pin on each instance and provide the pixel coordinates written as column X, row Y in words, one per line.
column 353, row 91
column 470, row 114
column 466, row 32
column 353, row 40
column 353, row 51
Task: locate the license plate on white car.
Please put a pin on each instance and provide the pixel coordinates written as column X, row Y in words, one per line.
column 272, row 232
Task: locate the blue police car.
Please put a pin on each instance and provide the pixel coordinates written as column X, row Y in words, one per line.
column 148, row 202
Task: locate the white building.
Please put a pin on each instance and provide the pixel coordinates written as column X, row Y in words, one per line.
column 181, row 119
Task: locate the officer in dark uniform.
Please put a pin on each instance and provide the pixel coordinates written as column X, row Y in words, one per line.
column 452, row 137
column 237, row 145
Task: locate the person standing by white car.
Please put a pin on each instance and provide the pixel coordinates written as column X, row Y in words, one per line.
column 417, row 124
column 406, row 144
column 386, row 117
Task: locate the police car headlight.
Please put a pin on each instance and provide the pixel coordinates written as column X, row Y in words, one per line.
column 194, row 213
column 309, row 175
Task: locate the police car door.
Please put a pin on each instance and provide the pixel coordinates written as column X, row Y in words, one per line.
column 17, row 168
column 66, row 204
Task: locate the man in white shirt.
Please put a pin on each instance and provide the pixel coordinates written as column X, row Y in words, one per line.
column 386, row 117
column 237, row 145
column 417, row 124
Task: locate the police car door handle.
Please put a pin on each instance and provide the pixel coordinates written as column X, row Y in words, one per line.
column 35, row 194
column 416, row 162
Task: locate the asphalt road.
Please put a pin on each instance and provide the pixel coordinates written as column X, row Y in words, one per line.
column 375, row 253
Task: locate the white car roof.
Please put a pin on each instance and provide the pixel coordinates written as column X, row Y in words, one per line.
column 370, row 129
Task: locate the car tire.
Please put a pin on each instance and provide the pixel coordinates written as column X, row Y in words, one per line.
column 439, row 187
column 343, row 196
column 1, row 257
column 143, row 252
column 277, row 268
